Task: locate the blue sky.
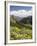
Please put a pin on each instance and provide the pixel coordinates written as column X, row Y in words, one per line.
column 16, row 8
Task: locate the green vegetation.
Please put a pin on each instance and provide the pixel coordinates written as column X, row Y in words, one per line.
column 19, row 31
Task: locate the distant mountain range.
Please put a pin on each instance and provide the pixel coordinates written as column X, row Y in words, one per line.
column 25, row 20
column 21, row 13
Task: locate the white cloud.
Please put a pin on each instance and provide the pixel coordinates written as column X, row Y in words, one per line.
column 21, row 13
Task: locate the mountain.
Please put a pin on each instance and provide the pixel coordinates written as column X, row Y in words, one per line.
column 27, row 20
column 12, row 20
column 24, row 20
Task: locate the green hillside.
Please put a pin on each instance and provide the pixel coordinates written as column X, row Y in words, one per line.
column 19, row 31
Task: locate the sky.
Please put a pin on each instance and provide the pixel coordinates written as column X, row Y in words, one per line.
column 15, row 8
column 21, row 11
